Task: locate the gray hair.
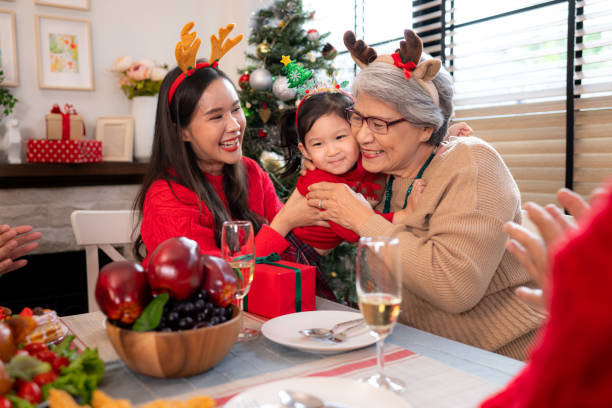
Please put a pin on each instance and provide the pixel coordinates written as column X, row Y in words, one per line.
column 386, row 83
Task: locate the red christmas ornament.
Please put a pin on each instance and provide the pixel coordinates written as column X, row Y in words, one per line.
column 243, row 81
column 262, row 133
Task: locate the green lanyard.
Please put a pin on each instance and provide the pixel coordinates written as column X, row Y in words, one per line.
column 389, row 187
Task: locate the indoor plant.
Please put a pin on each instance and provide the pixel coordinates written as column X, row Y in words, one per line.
column 7, row 100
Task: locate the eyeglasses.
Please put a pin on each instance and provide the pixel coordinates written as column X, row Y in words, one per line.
column 376, row 125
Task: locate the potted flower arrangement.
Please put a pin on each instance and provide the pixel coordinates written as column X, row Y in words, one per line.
column 140, row 82
column 139, row 78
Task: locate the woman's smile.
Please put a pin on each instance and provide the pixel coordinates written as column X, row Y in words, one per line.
column 230, row 145
column 371, row 154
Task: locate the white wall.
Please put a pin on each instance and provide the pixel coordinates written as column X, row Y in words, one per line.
column 139, row 28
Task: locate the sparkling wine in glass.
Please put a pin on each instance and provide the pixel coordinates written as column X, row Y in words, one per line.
column 379, row 288
column 238, row 249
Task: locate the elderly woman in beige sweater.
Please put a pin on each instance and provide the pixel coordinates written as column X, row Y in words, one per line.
column 458, row 277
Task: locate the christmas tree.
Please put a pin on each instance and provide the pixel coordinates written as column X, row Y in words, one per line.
column 281, row 29
column 278, row 31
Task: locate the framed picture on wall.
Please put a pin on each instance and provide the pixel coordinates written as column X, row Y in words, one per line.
column 117, row 136
column 71, row 4
column 8, row 49
column 63, row 49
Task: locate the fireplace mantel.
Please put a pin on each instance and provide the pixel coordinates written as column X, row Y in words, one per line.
column 35, row 175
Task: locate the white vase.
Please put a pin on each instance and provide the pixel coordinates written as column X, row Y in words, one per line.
column 143, row 112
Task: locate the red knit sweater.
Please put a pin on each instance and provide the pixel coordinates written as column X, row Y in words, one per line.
column 359, row 180
column 572, row 364
column 171, row 210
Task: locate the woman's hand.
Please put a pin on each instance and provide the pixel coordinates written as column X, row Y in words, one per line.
column 14, row 243
column 296, row 213
column 341, row 204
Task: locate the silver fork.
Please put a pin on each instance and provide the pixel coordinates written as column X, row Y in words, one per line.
column 341, row 336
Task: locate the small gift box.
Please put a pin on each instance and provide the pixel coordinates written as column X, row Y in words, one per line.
column 64, row 125
column 64, row 151
column 280, row 287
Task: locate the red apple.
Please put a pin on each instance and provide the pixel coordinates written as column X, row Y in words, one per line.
column 122, row 291
column 175, row 267
column 219, row 280
column 5, row 382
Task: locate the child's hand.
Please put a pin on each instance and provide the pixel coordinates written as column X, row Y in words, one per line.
column 306, row 165
column 460, row 129
column 418, row 188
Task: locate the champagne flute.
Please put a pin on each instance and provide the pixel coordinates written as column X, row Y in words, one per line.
column 379, row 288
column 238, row 249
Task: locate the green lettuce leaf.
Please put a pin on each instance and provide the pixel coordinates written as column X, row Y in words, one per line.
column 26, row 367
column 81, row 377
column 19, row 402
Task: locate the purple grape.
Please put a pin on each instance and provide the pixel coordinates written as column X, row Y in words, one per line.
column 201, row 294
column 185, row 323
column 199, row 305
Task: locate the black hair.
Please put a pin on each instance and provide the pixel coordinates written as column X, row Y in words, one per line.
column 314, row 107
column 171, row 152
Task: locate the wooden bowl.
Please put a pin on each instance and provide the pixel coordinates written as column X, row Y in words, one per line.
column 175, row 354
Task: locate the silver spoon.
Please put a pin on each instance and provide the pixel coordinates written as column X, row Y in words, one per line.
column 298, row 399
column 322, row 333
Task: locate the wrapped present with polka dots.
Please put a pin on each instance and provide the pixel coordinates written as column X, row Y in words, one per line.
column 64, row 151
column 65, row 142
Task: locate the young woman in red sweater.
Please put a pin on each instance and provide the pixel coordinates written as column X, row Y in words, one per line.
column 198, row 177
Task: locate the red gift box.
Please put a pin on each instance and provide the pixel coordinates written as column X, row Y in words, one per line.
column 64, row 151
column 274, row 288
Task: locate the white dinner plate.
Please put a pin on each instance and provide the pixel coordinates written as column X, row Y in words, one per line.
column 335, row 392
column 285, row 330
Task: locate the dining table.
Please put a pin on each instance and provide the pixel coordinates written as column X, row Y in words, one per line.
column 438, row 372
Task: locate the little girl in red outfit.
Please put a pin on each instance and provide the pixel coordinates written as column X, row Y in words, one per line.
column 319, row 130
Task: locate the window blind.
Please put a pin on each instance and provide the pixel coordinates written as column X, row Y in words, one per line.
column 427, row 22
column 593, row 91
column 510, row 84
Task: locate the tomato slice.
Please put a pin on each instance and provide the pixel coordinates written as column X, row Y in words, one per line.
column 30, row 391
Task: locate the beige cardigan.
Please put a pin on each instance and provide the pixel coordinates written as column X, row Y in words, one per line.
column 458, row 278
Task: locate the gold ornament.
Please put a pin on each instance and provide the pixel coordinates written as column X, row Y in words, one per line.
column 281, row 24
column 262, row 50
column 264, row 114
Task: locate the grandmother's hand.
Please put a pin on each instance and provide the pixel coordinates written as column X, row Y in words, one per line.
column 296, row 213
column 341, row 204
column 14, row 243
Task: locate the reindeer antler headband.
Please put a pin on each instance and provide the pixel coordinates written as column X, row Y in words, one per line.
column 407, row 57
column 187, row 48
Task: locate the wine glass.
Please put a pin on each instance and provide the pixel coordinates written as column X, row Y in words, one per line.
column 379, row 288
column 238, row 249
